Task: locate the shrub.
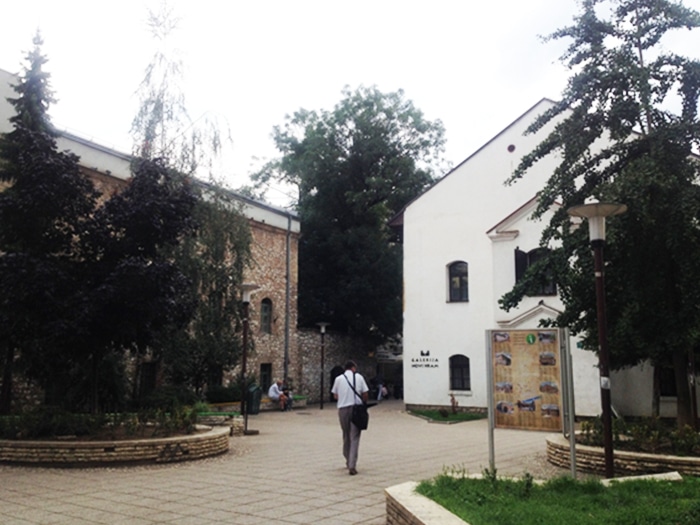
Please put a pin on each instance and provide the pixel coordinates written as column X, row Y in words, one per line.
column 223, row 394
column 169, row 398
column 684, row 441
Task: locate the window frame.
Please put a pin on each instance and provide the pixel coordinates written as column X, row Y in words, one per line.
column 523, row 260
column 463, row 383
column 458, row 294
column 266, row 315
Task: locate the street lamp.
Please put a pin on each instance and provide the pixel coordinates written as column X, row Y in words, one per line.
column 247, row 290
column 596, row 212
column 322, row 326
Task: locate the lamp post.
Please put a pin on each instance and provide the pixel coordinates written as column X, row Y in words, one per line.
column 322, row 326
column 247, row 291
column 596, row 212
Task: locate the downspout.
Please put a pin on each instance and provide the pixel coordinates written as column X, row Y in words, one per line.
column 287, row 297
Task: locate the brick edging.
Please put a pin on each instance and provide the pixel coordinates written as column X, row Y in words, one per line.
column 404, row 506
column 592, row 459
column 110, row 453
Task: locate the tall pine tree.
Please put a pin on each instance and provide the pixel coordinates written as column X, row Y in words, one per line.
column 46, row 204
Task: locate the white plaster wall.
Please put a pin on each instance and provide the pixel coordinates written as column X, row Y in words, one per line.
column 6, row 109
column 96, row 157
column 631, row 390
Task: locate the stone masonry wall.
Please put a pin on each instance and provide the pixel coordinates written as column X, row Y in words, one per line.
column 269, row 272
column 84, row 453
column 592, row 459
column 338, row 348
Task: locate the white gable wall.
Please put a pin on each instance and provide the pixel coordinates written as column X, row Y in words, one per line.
column 452, row 221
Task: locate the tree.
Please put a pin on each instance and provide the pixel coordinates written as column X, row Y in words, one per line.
column 213, row 258
column 81, row 283
column 163, row 127
column 133, row 292
column 642, row 102
column 46, row 203
column 354, row 167
column 215, row 254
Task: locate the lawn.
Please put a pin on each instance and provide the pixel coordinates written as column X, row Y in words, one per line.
column 491, row 501
column 447, row 416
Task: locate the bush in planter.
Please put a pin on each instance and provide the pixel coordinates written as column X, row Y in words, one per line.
column 169, row 398
column 685, row 441
column 230, row 393
column 222, row 394
column 50, row 422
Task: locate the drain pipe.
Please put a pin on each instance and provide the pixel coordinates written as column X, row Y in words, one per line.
column 287, row 297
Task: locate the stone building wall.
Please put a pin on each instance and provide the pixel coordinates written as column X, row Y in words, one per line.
column 271, row 268
column 338, row 348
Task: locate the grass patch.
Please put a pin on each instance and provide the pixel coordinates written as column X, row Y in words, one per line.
column 496, row 501
column 444, row 415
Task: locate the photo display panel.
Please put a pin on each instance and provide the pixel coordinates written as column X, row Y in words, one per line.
column 526, row 379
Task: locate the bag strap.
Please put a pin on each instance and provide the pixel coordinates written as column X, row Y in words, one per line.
column 353, row 388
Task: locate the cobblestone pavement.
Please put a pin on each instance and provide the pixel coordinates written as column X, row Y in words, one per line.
column 293, row 472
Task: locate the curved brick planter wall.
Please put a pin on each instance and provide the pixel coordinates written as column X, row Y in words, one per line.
column 404, row 506
column 91, row 453
column 592, row 459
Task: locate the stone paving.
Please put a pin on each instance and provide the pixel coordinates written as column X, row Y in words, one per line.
column 292, row 472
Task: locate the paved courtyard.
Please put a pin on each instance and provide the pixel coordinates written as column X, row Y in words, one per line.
column 293, row 472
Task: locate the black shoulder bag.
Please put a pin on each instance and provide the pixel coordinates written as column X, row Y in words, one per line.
column 360, row 416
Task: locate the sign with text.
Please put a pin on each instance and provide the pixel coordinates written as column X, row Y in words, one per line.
column 525, row 370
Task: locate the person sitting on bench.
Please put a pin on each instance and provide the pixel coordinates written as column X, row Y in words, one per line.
column 276, row 393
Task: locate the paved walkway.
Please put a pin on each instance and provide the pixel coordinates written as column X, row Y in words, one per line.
column 293, row 472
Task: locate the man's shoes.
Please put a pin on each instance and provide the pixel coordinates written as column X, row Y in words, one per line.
column 352, row 471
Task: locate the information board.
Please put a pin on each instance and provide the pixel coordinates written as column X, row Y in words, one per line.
column 526, row 379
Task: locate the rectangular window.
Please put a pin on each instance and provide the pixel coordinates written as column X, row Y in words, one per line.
column 460, row 375
column 265, row 376
column 458, row 276
column 525, row 260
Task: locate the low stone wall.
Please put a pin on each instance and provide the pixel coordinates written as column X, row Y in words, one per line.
column 460, row 409
column 404, row 506
column 592, row 459
column 265, row 404
column 109, row 453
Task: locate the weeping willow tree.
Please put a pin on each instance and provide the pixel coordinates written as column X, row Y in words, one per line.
column 216, row 255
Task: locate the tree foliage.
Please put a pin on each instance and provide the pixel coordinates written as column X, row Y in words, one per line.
column 354, row 168
column 214, row 260
column 627, row 130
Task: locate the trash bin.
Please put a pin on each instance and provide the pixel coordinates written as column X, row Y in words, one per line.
column 252, row 401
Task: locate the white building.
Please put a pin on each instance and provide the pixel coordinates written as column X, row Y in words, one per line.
column 461, row 240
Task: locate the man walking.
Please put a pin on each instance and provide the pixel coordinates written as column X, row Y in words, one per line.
column 349, row 389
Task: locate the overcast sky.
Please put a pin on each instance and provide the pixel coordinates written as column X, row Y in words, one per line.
column 474, row 65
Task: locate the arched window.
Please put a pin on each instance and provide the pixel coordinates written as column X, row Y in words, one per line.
column 523, row 260
column 458, row 279
column 460, row 375
column 266, row 316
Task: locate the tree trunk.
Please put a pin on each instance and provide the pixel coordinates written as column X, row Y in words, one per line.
column 656, row 395
column 683, row 402
column 94, row 401
column 693, row 391
column 6, row 390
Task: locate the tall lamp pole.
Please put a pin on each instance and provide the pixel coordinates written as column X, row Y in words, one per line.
column 322, row 327
column 247, row 291
column 596, row 212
